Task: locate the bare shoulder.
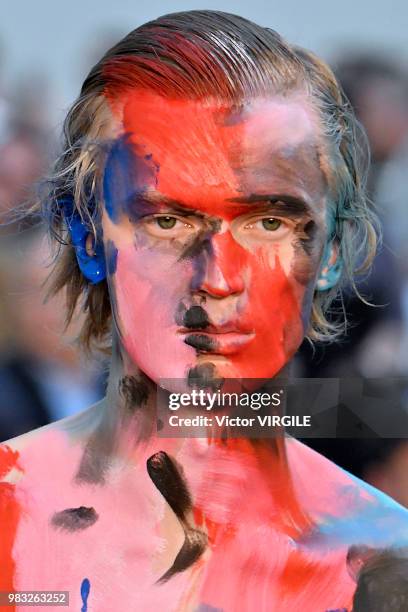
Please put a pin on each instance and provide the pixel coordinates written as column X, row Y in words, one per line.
column 41, row 448
column 347, row 509
column 10, row 452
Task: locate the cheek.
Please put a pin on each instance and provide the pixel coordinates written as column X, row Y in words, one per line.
column 148, row 286
column 306, row 262
column 274, row 310
column 275, row 295
column 305, row 270
column 151, row 276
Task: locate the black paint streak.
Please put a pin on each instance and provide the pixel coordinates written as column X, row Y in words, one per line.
column 193, row 547
column 195, row 318
column 93, row 466
column 165, row 475
column 310, row 230
column 200, row 250
column 135, row 392
column 180, row 312
column 199, row 245
column 171, row 484
column 214, row 224
column 100, row 447
column 201, row 342
column 74, row 519
column 95, row 460
column 306, row 254
column 204, row 376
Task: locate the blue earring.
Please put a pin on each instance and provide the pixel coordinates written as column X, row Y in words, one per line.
column 329, row 273
column 93, row 267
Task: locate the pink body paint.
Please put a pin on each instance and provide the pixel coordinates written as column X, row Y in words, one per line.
column 116, row 553
column 246, row 497
column 273, row 517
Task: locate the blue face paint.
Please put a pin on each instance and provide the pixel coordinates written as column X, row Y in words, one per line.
column 85, row 588
column 92, row 267
column 128, row 174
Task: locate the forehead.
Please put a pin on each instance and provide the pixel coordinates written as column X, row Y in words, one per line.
column 204, row 154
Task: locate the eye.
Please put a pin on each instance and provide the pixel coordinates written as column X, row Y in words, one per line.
column 166, row 222
column 262, row 228
column 271, row 224
column 169, row 226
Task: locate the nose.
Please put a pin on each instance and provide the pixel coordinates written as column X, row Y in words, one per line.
column 220, row 267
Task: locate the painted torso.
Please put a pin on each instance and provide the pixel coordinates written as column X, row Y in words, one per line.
column 122, row 535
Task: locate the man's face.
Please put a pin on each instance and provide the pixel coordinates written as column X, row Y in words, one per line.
column 214, row 226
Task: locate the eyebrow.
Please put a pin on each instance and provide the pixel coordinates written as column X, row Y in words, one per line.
column 155, row 200
column 283, row 203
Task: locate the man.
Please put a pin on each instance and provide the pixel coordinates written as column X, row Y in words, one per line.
column 211, row 193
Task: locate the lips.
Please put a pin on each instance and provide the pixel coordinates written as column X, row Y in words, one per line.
column 221, row 340
column 222, row 328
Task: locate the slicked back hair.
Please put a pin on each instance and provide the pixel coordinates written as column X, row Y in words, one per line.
column 201, row 55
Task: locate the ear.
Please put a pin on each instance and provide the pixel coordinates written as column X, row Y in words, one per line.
column 90, row 256
column 331, row 267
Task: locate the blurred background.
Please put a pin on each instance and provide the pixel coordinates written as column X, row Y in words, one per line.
column 46, row 50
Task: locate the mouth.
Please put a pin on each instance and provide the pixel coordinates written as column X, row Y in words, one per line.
column 225, row 340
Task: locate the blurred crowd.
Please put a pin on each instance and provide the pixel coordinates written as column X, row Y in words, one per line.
column 376, row 342
column 44, row 378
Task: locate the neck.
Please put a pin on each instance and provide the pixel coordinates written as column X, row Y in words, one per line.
column 126, row 420
column 126, row 431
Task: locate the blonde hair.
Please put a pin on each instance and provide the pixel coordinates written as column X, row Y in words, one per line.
column 197, row 54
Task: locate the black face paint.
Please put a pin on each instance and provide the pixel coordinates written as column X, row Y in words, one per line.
column 195, row 318
column 204, row 376
column 135, row 392
column 74, row 519
column 305, row 241
column 171, row 484
column 310, row 231
column 201, row 342
column 200, row 245
column 200, row 250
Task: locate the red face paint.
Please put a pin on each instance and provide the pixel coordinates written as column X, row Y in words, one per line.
column 9, row 519
column 217, row 172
